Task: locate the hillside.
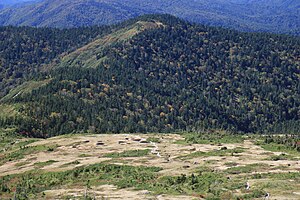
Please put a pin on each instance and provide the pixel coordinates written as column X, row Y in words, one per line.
column 281, row 16
column 25, row 50
column 158, row 74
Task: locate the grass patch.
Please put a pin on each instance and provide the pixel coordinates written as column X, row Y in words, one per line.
column 130, row 153
column 282, row 156
column 20, row 164
column 280, row 167
column 141, row 178
column 37, row 181
column 279, row 176
column 231, row 164
column 11, row 141
column 246, row 169
column 9, row 110
column 84, row 155
column 274, row 147
column 204, row 182
column 25, row 88
column 221, row 152
column 43, row 164
column 153, row 139
column 27, row 150
column 76, row 162
column 212, row 138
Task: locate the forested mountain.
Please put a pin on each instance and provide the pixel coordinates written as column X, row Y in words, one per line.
column 14, row 2
column 155, row 73
column 25, row 50
column 282, row 16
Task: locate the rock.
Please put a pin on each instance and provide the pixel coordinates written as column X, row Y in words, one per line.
column 136, row 139
column 144, row 142
column 100, row 143
column 121, row 142
column 223, row 148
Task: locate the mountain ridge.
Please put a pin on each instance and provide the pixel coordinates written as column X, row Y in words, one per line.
column 281, row 16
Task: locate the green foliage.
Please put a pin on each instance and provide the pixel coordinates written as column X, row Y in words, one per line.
column 257, row 193
column 221, row 152
column 20, row 164
column 129, row 153
column 281, row 176
column 171, row 77
column 153, row 139
column 281, row 157
column 143, row 178
column 24, row 50
column 43, row 164
column 213, row 137
column 123, row 176
column 25, row 150
column 246, row 169
column 288, row 143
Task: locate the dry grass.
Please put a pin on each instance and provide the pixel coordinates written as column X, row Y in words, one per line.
column 80, row 150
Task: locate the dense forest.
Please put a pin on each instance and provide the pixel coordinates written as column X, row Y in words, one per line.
column 170, row 75
column 23, row 50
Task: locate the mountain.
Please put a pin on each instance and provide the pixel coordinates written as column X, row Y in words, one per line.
column 281, row 16
column 14, row 2
column 155, row 73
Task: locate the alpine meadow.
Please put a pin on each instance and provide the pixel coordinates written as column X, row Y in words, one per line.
column 108, row 100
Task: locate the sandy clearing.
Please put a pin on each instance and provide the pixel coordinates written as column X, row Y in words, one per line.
column 108, row 192
column 85, row 150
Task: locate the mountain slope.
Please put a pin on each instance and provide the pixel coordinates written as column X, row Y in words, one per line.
column 173, row 76
column 91, row 55
column 24, row 51
column 274, row 16
column 67, row 13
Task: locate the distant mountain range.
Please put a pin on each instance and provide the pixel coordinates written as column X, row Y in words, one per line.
column 280, row 16
column 14, row 2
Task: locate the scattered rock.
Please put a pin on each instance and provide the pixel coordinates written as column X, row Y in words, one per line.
column 144, row 193
column 223, row 148
column 136, row 139
column 100, row 143
column 144, row 142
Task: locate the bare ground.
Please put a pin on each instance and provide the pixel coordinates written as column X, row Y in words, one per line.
column 90, row 149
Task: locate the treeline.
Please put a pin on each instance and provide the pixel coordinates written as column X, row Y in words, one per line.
column 291, row 142
column 180, row 77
